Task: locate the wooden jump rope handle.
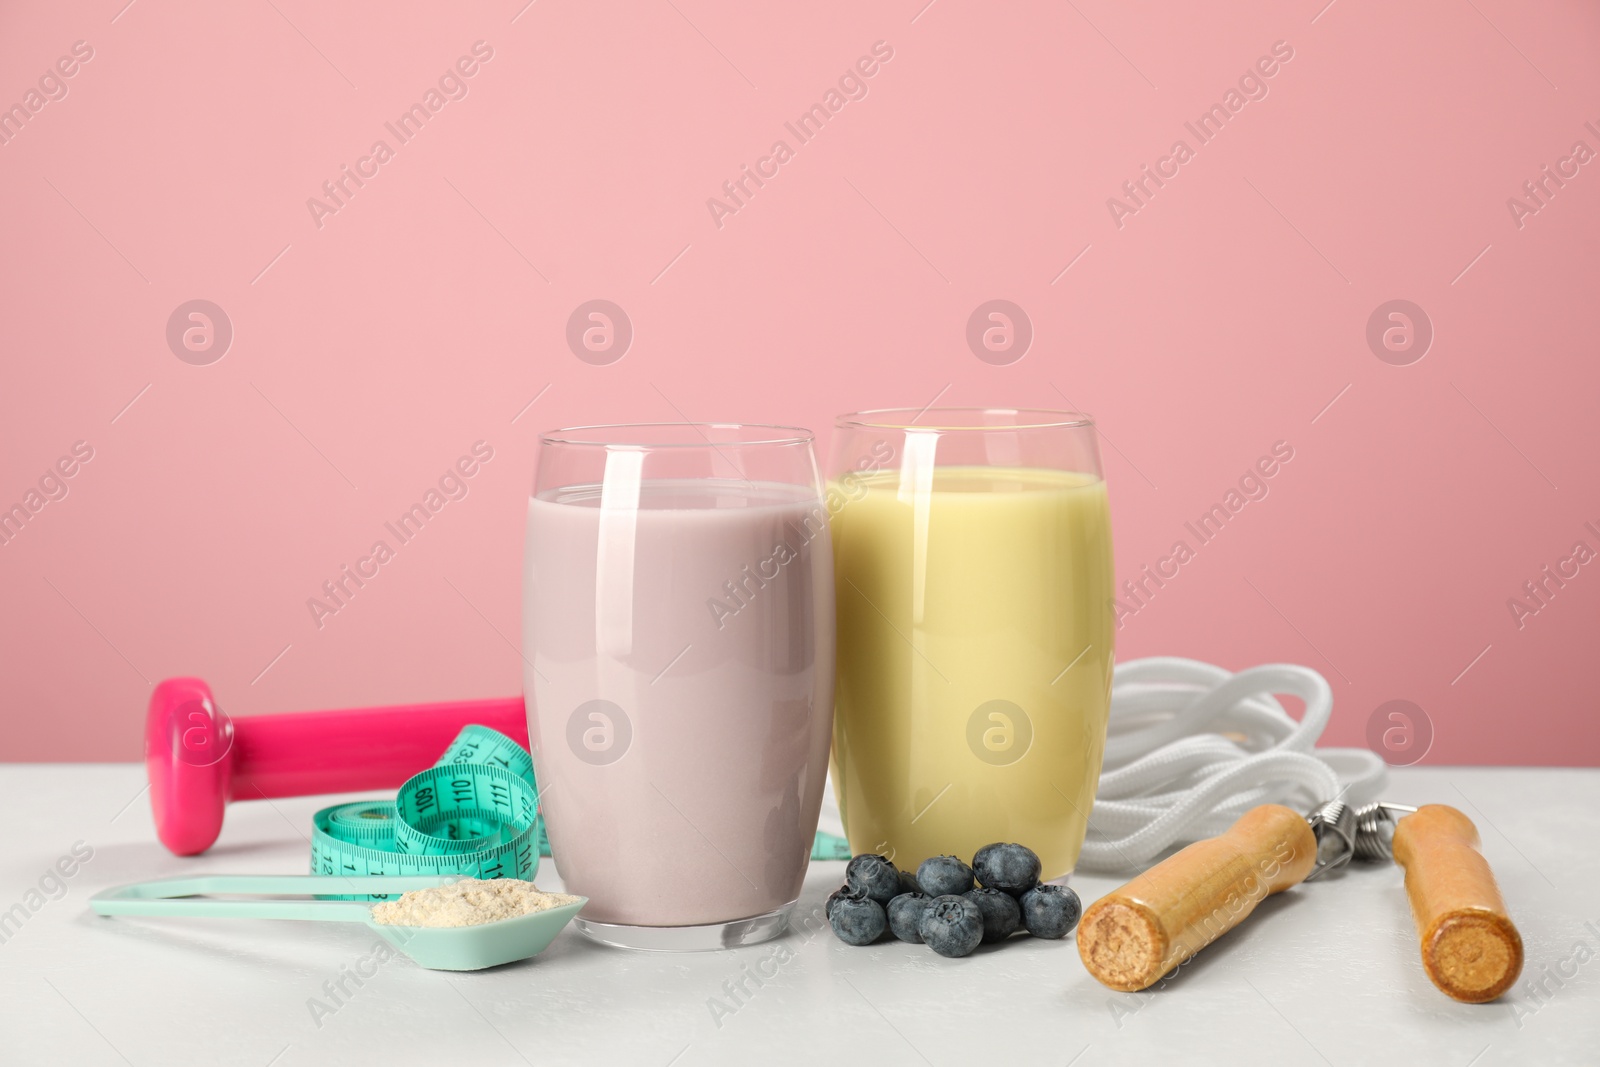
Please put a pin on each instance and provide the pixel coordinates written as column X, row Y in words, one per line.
column 1138, row 933
column 1471, row 950
column 1470, row 947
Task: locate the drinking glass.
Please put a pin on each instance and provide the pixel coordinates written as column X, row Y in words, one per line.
column 678, row 633
column 972, row 548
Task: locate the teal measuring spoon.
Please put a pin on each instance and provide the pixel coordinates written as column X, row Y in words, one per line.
column 439, row 948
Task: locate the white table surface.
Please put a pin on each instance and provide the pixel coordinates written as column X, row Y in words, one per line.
column 1325, row 973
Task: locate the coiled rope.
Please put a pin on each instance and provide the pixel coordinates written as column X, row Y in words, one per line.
column 1191, row 747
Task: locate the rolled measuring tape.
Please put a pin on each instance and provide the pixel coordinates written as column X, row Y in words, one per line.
column 474, row 813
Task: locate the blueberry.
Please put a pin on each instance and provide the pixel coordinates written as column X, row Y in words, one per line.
column 944, row 876
column 873, row 875
column 1002, row 915
column 833, row 897
column 856, row 917
column 951, row 925
column 908, row 883
column 1050, row 910
column 905, row 915
column 1009, row 868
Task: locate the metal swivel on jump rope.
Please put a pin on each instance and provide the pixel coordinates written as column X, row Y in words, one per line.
column 1344, row 833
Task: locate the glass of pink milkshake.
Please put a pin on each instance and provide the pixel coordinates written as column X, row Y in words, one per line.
column 678, row 634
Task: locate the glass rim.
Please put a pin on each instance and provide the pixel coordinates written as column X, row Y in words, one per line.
column 595, row 435
column 1037, row 419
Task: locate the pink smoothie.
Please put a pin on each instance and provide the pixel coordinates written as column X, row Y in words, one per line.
column 679, row 677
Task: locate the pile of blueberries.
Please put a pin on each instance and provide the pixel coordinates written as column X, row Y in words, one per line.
column 948, row 906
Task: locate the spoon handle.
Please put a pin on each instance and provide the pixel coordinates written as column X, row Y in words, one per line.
column 189, row 896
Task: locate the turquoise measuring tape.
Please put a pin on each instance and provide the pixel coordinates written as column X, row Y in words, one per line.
column 474, row 813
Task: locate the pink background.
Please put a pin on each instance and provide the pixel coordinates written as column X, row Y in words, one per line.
column 1226, row 315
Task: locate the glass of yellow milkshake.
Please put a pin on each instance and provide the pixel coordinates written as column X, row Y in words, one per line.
column 973, row 584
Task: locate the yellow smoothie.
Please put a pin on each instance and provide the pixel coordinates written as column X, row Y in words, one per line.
column 974, row 660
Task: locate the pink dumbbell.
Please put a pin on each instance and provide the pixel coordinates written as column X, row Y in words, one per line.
column 198, row 759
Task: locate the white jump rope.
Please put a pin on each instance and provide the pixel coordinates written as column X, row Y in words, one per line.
column 1191, row 747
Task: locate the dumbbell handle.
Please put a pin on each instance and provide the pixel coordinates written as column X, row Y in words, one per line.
column 309, row 752
column 199, row 759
